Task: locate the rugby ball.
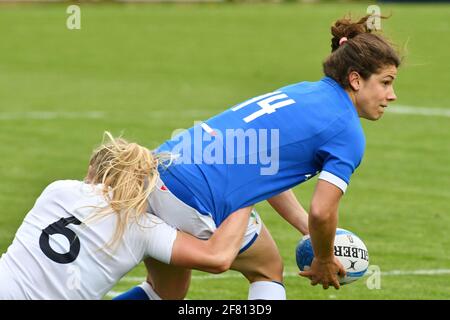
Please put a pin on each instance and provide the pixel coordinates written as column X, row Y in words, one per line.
column 348, row 248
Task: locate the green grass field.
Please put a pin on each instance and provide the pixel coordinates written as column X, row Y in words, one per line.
column 145, row 70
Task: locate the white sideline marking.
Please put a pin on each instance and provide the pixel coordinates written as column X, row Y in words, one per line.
column 431, row 272
column 50, row 115
column 113, row 294
column 419, row 111
column 158, row 114
column 416, row 272
column 295, row 274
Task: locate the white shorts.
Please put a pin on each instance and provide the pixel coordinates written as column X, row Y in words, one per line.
column 178, row 214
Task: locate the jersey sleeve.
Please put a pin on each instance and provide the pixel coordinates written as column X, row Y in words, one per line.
column 156, row 238
column 340, row 156
column 60, row 184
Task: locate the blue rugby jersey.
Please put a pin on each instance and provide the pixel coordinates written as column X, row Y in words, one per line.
column 264, row 146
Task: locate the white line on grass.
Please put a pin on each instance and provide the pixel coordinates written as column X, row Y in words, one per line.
column 50, row 115
column 431, row 272
column 199, row 113
column 113, row 294
column 419, row 111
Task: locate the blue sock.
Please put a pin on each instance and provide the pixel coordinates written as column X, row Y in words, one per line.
column 136, row 293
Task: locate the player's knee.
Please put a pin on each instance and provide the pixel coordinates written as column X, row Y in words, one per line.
column 221, row 267
column 275, row 272
column 172, row 293
column 271, row 270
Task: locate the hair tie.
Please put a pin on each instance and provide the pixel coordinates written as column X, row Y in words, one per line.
column 342, row 40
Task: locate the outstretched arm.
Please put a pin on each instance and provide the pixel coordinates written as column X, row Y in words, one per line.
column 323, row 218
column 216, row 254
column 287, row 206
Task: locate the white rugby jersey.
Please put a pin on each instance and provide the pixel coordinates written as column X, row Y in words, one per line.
column 55, row 256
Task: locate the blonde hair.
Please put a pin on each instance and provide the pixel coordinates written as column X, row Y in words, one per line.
column 128, row 173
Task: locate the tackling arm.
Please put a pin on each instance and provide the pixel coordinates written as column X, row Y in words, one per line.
column 216, row 254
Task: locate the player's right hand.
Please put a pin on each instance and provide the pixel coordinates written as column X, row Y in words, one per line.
column 326, row 272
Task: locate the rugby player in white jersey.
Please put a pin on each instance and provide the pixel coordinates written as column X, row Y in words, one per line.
column 82, row 237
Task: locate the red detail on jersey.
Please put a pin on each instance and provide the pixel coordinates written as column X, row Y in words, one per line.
column 164, row 188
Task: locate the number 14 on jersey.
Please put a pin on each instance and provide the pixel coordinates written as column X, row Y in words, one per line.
column 268, row 102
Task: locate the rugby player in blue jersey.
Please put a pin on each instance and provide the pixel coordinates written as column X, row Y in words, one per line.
column 286, row 137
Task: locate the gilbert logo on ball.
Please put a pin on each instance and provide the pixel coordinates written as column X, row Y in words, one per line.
column 348, row 248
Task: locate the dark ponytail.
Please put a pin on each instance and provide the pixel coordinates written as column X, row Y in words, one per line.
column 363, row 52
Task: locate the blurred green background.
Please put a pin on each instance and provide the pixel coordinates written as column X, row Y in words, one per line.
column 146, row 70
